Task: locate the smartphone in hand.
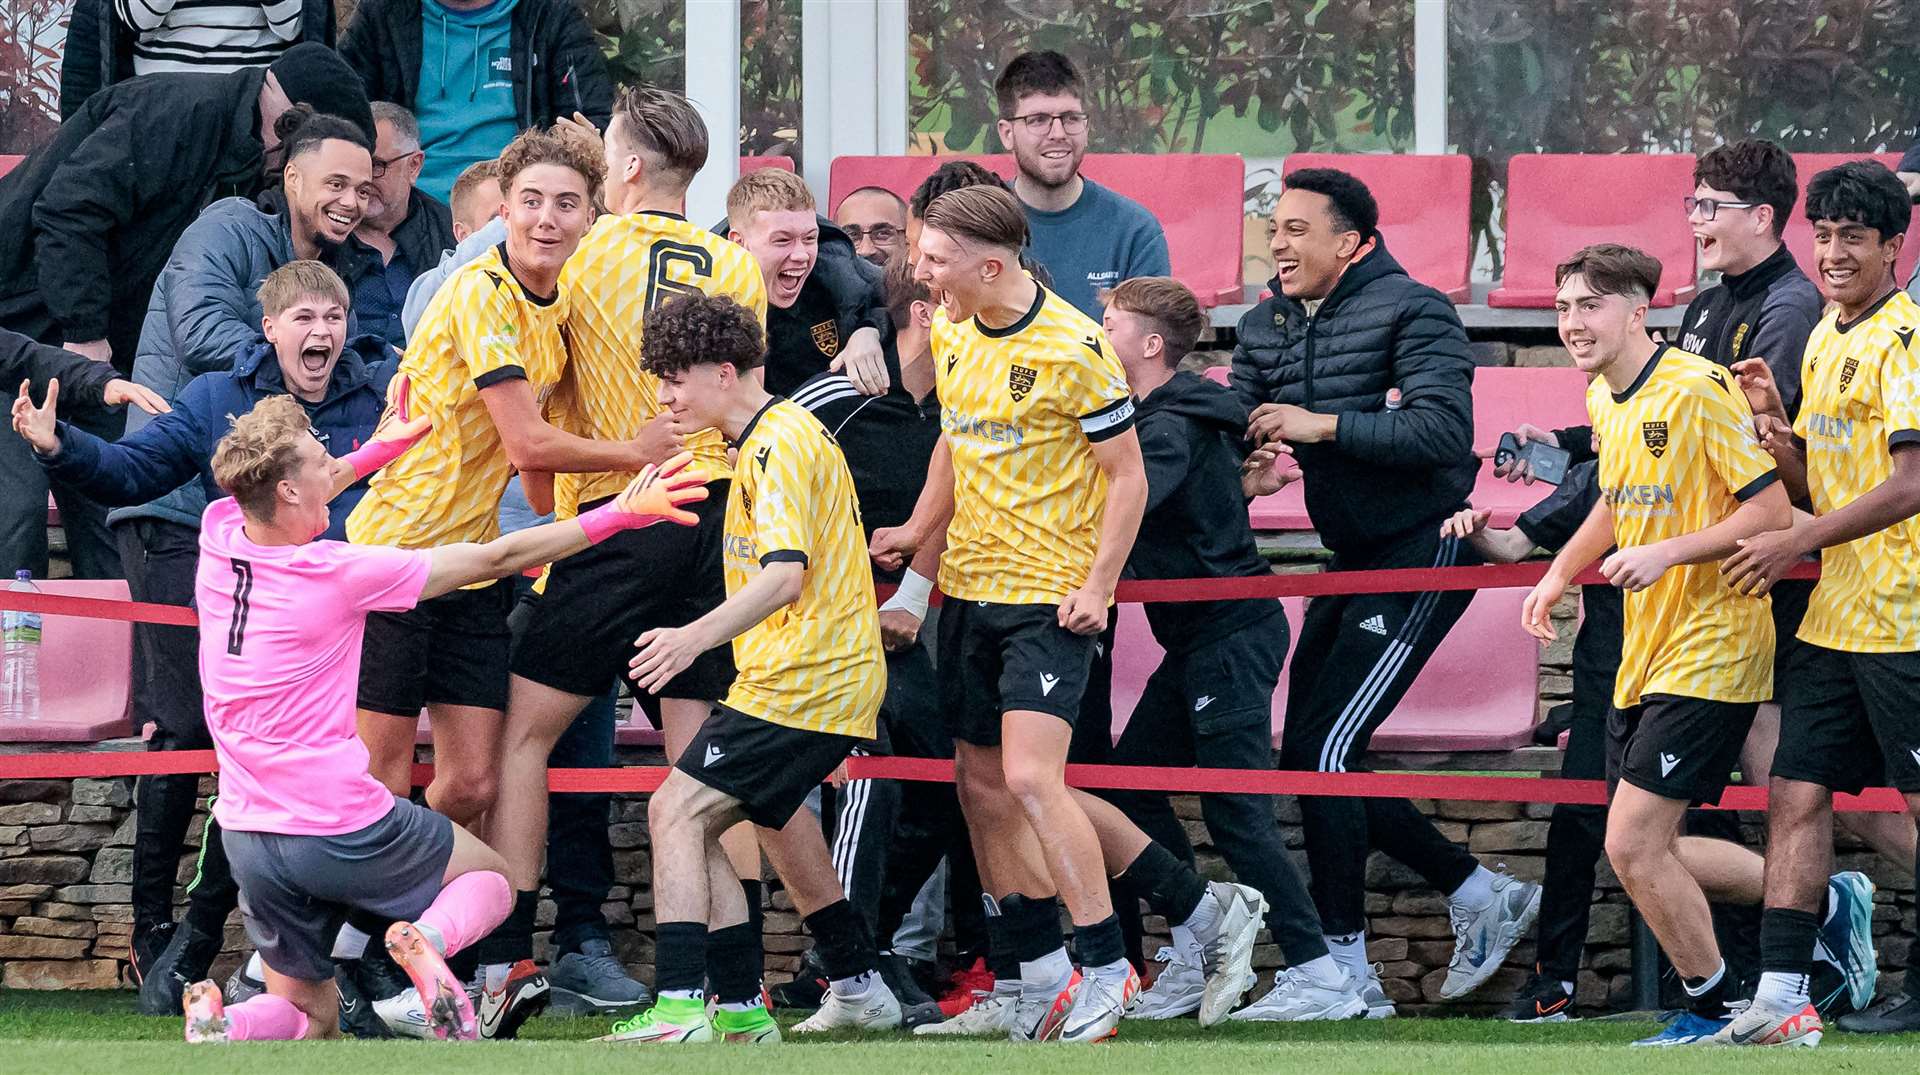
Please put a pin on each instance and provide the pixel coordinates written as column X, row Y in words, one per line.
column 1546, row 462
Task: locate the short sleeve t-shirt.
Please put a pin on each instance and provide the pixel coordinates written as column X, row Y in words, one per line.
column 1022, row 407
column 482, row 328
column 1861, row 399
column 1677, row 455
column 628, row 265
column 815, row 664
column 280, row 634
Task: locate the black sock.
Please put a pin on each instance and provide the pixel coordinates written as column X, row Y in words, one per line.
column 1034, row 926
column 1100, row 943
column 680, row 957
column 1786, row 940
column 841, row 940
column 1710, row 1002
column 1169, row 886
column 1000, row 941
column 755, row 891
column 512, row 940
column 734, row 964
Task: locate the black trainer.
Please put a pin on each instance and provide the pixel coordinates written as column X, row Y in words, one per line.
column 806, row 991
column 357, row 1017
column 376, row 975
column 184, row 961
column 1541, row 1000
column 147, row 946
column 1898, row 1014
column 916, row 1007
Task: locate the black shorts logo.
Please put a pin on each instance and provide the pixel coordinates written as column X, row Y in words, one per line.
column 1851, row 367
column 826, row 336
column 1020, row 382
column 1655, row 436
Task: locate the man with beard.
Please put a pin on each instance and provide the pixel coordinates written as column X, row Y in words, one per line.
column 1088, row 237
column 404, row 231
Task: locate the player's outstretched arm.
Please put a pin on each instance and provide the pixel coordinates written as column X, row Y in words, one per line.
column 657, row 494
column 665, row 652
column 1585, row 546
column 893, row 546
column 532, row 444
column 1765, row 558
column 398, row 430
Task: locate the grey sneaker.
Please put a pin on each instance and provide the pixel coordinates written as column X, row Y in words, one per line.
column 1379, row 1005
column 1482, row 938
column 593, row 981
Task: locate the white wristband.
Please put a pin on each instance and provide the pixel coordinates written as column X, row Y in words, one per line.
column 912, row 596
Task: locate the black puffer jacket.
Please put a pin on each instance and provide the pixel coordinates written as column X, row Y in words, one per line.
column 1392, row 468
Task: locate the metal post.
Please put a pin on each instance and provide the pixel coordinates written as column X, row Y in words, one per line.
column 1646, row 963
column 1430, row 76
column 713, row 85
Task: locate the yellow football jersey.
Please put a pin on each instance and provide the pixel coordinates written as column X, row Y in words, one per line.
column 816, row 664
column 1021, row 408
column 1677, row 455
column 482, row 328
column 1861, row 397
column 627, row 265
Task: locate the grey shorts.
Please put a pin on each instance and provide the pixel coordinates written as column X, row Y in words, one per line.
column 296, row 890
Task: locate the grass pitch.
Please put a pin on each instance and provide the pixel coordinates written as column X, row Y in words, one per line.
column 76, row 1033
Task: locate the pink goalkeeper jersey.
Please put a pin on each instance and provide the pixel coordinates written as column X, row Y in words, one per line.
column 280, row 631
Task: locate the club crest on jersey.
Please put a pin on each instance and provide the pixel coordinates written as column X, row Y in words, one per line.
column 1654, row 434
column 1020, row 381
column 1851, row 367
column 826, row 336
column 1739, row 338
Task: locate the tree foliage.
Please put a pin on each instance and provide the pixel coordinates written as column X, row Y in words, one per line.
column 1160, row 74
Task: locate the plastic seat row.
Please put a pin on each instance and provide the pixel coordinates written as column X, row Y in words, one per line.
column 1556, row 203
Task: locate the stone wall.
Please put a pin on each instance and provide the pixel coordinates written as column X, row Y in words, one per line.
column 66, row 860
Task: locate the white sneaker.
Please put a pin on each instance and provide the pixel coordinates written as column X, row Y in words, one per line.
column 405, row 1015
column 878, row 1009
column 1482, row 938
column 990, row 1017
column 1227, row 956
column 1175, row 991
column 1297, row 998
column 1098, row 1006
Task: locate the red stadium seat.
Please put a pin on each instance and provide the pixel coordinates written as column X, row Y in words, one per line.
column 1217, row 374
column 1560, row 202
column 1197, row 198
column 1799, row 233
column 1503, row 397
column 8, row 160
column 1476, row 693
column 86, row 671
column 636, row 732
column 1424, row 206
column 754, row 164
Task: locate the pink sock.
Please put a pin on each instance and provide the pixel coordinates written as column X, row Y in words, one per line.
column 266, row 1018
column 468, row 908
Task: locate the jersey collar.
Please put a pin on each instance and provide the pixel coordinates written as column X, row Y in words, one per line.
column 1866, row 315
column 747, row 430
column 1039, row 300
column 1646, row 372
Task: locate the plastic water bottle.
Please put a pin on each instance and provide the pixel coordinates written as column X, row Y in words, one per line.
column 20, row 657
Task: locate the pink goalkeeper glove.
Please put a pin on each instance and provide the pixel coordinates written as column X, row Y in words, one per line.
column 656, row 494
column 397, row 432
